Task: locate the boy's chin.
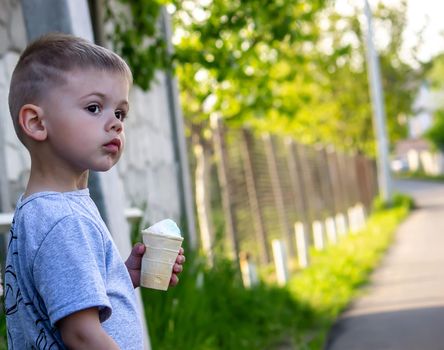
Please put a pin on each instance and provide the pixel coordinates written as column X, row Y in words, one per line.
column 103, row 164
column 102, row 168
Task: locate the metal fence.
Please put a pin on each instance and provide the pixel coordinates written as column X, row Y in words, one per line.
column 267, row 184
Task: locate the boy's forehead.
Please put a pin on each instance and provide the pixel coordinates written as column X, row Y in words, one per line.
column 95, row 74
column 96, row 80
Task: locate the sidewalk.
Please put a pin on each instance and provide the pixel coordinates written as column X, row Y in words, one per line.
column 403, row 307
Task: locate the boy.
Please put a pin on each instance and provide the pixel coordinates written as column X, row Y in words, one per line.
column 66, row 285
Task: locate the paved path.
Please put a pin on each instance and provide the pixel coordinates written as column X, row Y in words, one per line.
column 403, row 307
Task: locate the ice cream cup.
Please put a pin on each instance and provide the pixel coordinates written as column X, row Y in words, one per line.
column 159, row 258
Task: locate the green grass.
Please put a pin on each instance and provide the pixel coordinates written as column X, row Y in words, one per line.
column 210, row 309
column 418, row 175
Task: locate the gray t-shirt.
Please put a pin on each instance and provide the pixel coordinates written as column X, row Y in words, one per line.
column 62, row 259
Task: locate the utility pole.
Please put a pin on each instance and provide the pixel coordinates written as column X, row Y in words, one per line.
column 379, row 119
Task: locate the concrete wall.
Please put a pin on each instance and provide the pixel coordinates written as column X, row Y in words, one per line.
column 148, row 167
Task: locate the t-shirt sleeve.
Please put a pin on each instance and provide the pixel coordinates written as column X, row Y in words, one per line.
column 69, row 269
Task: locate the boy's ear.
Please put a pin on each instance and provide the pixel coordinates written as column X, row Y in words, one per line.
column 30, row 120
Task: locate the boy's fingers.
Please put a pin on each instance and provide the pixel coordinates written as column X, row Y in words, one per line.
column 177, row 268
column 180, row 259
column 174, row 280
column 140, row 247
column 133, row 261
column 138, row 250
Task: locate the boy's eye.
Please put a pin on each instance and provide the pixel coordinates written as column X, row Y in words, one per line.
column 94, row 109
column 121, row 115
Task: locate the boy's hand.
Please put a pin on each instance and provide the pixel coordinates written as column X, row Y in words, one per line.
column 177, row 268
column 134, row 262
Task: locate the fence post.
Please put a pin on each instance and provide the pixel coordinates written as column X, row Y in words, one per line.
column 280, row 261
column 221, row 156
column 248, row 271
column 203, row 197
column 277, row 192
column 364, row 180
column 330, row 228
column 306, row 183
column 354, row 179
column 297, row 184
column 325, row 181
column 318, row 235
column 341, row 224
column 346, row 200
column 302, row 244
column 255, row 208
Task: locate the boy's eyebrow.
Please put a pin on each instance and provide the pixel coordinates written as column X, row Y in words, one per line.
column 103, row 96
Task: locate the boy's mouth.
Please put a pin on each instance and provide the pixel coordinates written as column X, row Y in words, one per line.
column 113, row 146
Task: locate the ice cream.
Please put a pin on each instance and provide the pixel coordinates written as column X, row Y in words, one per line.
column 165, row 227
column 162, row 241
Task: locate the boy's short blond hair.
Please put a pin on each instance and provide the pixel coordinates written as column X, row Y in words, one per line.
column 43, row 64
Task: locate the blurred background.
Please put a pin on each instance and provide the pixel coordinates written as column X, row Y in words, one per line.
column 253, row 124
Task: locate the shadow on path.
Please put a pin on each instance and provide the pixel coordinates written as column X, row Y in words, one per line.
column 389, row 330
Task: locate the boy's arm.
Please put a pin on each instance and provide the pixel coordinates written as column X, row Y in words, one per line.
column 82, row 330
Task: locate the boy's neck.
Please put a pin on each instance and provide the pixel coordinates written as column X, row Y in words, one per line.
column 58, row 180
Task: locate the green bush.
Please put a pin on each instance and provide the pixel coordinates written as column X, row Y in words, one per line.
column 398, row 200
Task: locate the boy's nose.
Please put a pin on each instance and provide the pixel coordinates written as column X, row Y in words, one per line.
column 114, row 124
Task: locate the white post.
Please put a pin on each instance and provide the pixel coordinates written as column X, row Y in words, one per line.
column 351, row 213
column 377, row 96
column 318, row 235
column 360, row 215
column 248, row 271
column 301, row 244
column 330, row 228
column 280, row 261
column 341, row 224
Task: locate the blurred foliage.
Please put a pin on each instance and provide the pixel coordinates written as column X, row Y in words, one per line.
column 398, row 200
column 435, row 81
column 136, row 37
column 435, row 72
column 435, row 133
column 293, row 68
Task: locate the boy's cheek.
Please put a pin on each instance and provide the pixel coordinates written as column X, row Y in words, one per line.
column 123, row 139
